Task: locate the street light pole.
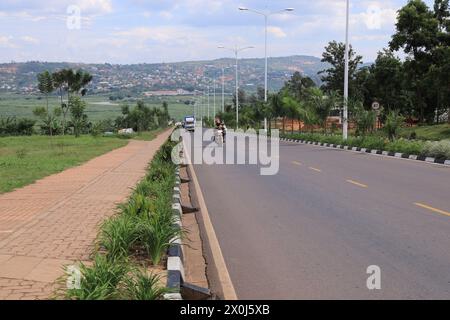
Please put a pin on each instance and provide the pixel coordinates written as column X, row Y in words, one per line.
column 214, row 90
column 237, row 91
column 223, row 89
column 265, row 58
column 208, row 101
column 345, row 115
column 266, row 18
column 236, row 50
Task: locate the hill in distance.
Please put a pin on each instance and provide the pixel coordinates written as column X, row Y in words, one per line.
column 136, row 79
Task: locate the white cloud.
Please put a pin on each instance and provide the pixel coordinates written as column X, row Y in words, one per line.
column 30, row 39
column 6, row 42
column 166, row 15
column 377, row 18
column 94, row 6
column 367, row 37
column 168, row 35
column 276, row 31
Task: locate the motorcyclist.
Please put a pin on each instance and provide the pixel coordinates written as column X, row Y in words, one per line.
column 224, row 130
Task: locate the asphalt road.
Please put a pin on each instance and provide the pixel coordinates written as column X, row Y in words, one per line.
column 311, row 231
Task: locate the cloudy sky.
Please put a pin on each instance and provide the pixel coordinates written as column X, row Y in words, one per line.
column 133, row 31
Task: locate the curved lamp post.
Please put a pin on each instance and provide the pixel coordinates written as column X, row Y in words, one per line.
column 236, row 51
column 266, row 18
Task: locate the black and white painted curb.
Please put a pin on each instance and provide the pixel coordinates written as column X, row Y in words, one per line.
column 370, row 151
column 175, row 268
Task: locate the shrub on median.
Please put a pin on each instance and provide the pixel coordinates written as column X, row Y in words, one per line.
column 110, row 279
column 405, row 146
column 145, row 222
column 140, row 233
column 438, row 149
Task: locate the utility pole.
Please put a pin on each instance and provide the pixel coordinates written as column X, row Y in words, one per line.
column 345, row 115
column 236, row 51
column 223, row 90
column 266, row 18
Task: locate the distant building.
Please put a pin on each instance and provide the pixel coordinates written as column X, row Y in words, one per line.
column 178, row 92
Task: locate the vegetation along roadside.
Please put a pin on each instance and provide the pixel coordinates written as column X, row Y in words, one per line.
column 130, row 254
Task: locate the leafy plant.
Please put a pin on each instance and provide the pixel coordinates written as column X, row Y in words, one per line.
column 117, row 236
column 365, row 121
column 78, row 116
column 143, row 286
column 393, row 123
column 156, row 233
column 405, row 146
column 101, row 280
column 437, row 149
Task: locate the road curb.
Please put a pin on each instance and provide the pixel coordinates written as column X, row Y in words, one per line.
column 373, row 151
column 175, row 266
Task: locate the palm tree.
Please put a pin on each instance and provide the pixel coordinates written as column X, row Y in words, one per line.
column 73, row 83
column 276, row 104
column 77, row 81
column 322, row 105
column 60, row 82
column 45, row 85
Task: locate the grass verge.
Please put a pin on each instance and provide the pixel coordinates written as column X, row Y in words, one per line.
column 434, row 132
column 23, row 160
column 436, row 149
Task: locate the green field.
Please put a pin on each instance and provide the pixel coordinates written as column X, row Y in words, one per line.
column 435, row 132
column 24, row 160
column 99, row 107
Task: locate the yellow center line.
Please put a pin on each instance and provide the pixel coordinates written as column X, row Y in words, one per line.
column 445, row 213
column 296, row 163
column 357, row 183
column 315, row 169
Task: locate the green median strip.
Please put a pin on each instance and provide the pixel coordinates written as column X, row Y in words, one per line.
column 133, row 244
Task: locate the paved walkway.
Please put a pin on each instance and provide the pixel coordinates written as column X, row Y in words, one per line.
column 54, row 221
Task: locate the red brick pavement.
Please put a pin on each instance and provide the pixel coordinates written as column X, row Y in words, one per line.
column 54, row 221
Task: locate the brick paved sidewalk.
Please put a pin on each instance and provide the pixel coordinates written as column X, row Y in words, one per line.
column 54, row 221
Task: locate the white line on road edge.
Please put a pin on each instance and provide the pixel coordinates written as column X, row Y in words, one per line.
column 386, row 154
column 229, row 293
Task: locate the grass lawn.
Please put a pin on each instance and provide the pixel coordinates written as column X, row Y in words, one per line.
column 436, row 132
column 24, row 160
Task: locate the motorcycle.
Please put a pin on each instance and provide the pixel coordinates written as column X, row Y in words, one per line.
column 218, row 136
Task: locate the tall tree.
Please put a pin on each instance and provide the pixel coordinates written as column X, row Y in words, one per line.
column 78, row 116
column 386, row 82
column 322, row 104
column 60, row 82
column 276, row 105
column 45, row 85
column 298, row 84
column 441, row 57
column 70, row 82
column 416, row 31
column 333, row 77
